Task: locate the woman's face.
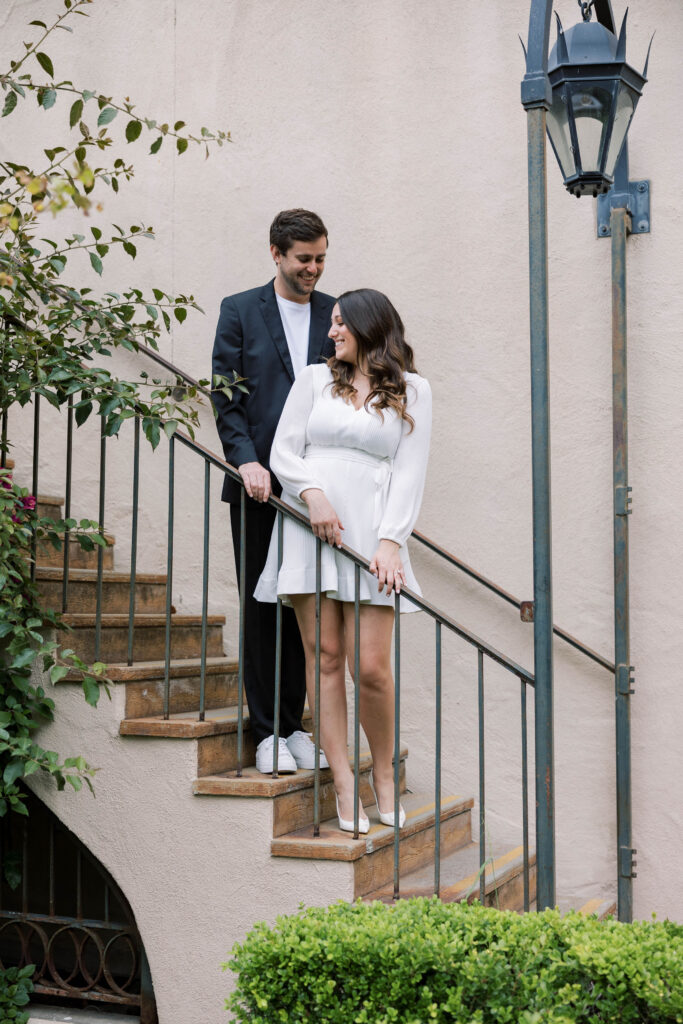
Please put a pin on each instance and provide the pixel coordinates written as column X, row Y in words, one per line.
column 345, row 344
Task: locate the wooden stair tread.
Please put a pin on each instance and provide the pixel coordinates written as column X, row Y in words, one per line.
column 50, row 499
column 119, row 620
column 459, row 875
column 155, row 670
column 54, row 572
column 333, row 844
column 602, row 908
column 184, row 725
column 255, row 783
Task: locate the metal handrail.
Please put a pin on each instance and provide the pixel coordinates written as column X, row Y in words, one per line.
column 437, row 549
column 364, row 563
column 507, row 596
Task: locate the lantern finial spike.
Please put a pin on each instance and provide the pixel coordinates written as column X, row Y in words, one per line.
column 562, row 52
column 647, row 59
column 523, row 46
column 621, row 45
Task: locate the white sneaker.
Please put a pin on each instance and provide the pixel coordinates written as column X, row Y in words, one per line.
column 302, row 749
column 264, row 756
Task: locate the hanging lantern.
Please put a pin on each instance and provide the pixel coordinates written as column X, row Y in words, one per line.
column 594, row 95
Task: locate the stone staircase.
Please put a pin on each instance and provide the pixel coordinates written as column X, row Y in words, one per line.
column 370, row 859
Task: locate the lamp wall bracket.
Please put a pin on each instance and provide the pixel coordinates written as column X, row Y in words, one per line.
column 636, row 201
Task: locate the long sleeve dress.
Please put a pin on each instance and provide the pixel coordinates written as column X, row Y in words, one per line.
column 371, row 466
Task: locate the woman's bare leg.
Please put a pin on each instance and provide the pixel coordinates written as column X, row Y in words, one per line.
column 376, row 691
column 333, row 714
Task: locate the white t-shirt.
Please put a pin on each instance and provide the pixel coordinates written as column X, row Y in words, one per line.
column 296, row 320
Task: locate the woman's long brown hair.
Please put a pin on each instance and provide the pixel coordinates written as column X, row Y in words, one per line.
column 383, row 352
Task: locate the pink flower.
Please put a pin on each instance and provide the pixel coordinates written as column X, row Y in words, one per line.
column 28, row 502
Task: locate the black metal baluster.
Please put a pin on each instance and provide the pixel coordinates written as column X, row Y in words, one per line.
column 100, row 548
column 482, row 777
column 437, row 766
column 240, row 670
column 316, row 711
column 525, row 796
column 356, row 699
column 134, row 538
column 51, row 869
column 205, row 590
column 67, row 500
column 169, row 576
column 397, row 739
column 278, row 655
column 34, row 486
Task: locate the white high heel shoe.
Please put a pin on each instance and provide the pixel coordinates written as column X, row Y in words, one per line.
column 347, row 826
column 388, row 819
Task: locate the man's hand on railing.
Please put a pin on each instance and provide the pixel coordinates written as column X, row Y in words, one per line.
column 324, row 519
column 256, row 480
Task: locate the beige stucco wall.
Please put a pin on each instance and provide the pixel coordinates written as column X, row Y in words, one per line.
column 400, row 123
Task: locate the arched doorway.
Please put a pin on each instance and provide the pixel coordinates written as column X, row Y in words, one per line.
column 62, row 911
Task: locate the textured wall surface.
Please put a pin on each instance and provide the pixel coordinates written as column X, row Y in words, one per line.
column 400, row 124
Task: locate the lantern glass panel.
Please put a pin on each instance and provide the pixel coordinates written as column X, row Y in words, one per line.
column 558, row 130
column 622, row 120
column 591, row 105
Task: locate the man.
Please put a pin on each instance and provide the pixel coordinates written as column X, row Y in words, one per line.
column 268, row 335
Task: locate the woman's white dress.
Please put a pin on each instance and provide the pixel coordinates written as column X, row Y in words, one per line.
column 371, row 467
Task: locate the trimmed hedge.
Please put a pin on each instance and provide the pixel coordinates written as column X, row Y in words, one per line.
column 423, row 961
column 15, row 988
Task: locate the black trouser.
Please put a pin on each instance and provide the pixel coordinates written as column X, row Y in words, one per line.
column 259, row 640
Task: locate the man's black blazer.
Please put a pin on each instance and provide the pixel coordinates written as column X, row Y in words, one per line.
column 250, row 339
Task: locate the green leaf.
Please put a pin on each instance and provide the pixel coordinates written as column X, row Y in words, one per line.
column 75, row 781
column 133, row 129
column 130, row 249
column 24, row 658
column 76, row 113
column 83, row 410
column 170, row 427
column 13, row 771
column 10, row 103
column 48, row 98
column 58, row 672
column 96, row 263
column 182, row 145
column 46, row 64
column 178, row 125
column 180, row 313
column 31, row 767
column 107, row 115
column 156, row 145
column 41, row 24
column 91, row 691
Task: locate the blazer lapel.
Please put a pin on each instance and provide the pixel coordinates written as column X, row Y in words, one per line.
column 320, row 325
column 271, row 315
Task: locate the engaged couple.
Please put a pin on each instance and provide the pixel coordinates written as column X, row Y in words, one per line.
column 337, row 421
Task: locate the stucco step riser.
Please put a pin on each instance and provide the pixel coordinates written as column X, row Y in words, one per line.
column 377, row 868
column 148, row 643
column 47, row 555
column 145, row 698
column 82, row 596
column 292, row 811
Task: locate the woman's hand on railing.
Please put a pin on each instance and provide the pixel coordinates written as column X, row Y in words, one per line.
column 324, row 519
column 387, row 566
column 256, row 480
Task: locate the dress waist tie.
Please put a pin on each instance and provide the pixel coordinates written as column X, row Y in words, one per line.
column 381, row 476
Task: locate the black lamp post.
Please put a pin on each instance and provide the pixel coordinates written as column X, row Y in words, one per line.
column 585, row 100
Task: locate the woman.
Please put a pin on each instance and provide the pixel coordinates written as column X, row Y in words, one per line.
column 351, row 450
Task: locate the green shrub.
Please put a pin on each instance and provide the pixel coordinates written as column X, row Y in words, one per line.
column 422, row 961
column 15, row 989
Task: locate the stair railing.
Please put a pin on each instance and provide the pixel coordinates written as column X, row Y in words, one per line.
column 441, row 620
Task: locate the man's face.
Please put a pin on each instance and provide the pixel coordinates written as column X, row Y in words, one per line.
column 299, row 269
